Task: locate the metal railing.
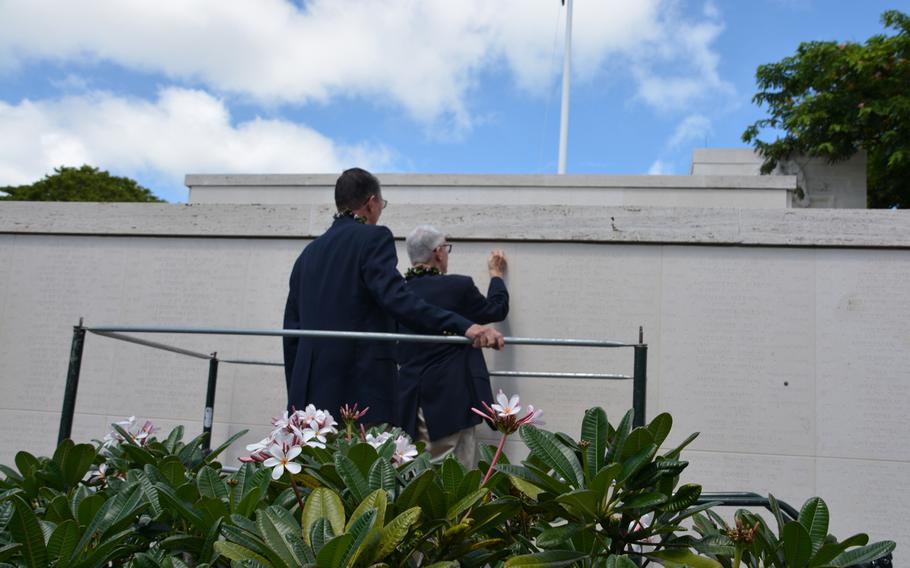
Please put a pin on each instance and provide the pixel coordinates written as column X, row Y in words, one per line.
column 639, row 376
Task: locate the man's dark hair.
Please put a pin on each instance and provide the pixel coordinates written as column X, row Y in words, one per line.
column 354, row 187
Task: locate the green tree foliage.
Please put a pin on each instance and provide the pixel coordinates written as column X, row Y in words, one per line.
column 831, row 100
column 80, row 184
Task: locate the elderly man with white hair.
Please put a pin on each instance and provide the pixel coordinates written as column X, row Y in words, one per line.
column 439, row 383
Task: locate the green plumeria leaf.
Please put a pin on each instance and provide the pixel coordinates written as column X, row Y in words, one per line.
column 675, row 452
column 797, row 545
column 546, row 559
column 382, row 476
column 210, row 484
column 636, row 441
column 660, row 427
column 377, row 500
column 395, row 532
column 681, row 558
column 359, row 532
column 26, row 530
column 814, row 517
column 619, row 438
column 353, row 478
column 685, row 497
column 320, row 533
column 581, row 502
column 864, row 554
column 555, row 455
column 466, row 503
column 276, row 527
column 452, row 473
column 555, row 537
column 594, row 430
column 644, row 501
column 239, row 553
column 323, row 503
column 334, row 551
column 616, row 561
column 62, row 542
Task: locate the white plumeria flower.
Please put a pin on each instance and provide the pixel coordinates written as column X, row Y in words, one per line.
column 644, row 523
column 506, row 406
column 405, row 451
column 326, row 423
column 310, row 437
column 308, row 415
column 281, row 460
column 377, row 441
column 259, row 446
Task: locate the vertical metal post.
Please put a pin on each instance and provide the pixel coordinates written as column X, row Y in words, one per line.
column 640, row 380
column 566, row 79
column 72, row 383
column 209, row 412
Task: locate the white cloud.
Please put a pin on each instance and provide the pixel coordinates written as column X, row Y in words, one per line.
column 425, row 56
column 692, row 128
column 182, row 131
column 660, row 168
column 682, row 67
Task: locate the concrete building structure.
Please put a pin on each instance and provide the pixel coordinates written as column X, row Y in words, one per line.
column 779, row 334
column 721, row 177
column 776, row 328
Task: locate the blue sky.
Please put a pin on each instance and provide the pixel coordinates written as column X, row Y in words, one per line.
column 156, row 90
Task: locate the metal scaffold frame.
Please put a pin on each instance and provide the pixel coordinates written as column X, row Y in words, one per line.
column 123, row 333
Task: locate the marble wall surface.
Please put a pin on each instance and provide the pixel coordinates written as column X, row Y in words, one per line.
column 781, row 336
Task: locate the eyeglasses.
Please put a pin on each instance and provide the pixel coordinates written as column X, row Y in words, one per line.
column 382, row 202
column 446, row 246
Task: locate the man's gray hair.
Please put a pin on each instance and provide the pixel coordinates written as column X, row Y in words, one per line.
column 421, row 243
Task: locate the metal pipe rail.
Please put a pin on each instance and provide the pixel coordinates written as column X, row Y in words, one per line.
column 326, row 334
column 639, row 376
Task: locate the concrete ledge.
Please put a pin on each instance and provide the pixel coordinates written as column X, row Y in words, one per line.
column 505, row 181
column 707, row 226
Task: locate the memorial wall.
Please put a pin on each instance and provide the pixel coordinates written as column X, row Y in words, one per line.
column 783, row 335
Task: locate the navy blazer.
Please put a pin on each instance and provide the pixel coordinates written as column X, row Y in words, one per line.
column 447, row 380
column 347, row 279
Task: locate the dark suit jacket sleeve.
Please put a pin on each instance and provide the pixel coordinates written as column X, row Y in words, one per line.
column 291, row 321
column 495, row 307
column 381, row 277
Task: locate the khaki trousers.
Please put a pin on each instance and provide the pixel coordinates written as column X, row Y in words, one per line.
column 462, row 444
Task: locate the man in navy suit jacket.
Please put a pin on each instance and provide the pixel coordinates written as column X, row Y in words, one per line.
column 439, row 383
column 347, row 280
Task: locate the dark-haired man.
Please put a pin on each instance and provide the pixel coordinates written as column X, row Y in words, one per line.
column 347, row 280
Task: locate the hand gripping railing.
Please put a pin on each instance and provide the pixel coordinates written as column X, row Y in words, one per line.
column 638, row 378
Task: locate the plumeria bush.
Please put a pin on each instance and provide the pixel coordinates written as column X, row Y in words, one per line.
column 314, row 492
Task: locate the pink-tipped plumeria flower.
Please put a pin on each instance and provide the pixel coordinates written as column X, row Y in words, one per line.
column 405, row 451
column 504, row 416
column 281, row 460
column 282, row 421
column 139, row 436
column 145, row 432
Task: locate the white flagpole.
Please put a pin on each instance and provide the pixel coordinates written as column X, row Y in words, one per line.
column 566, row 72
